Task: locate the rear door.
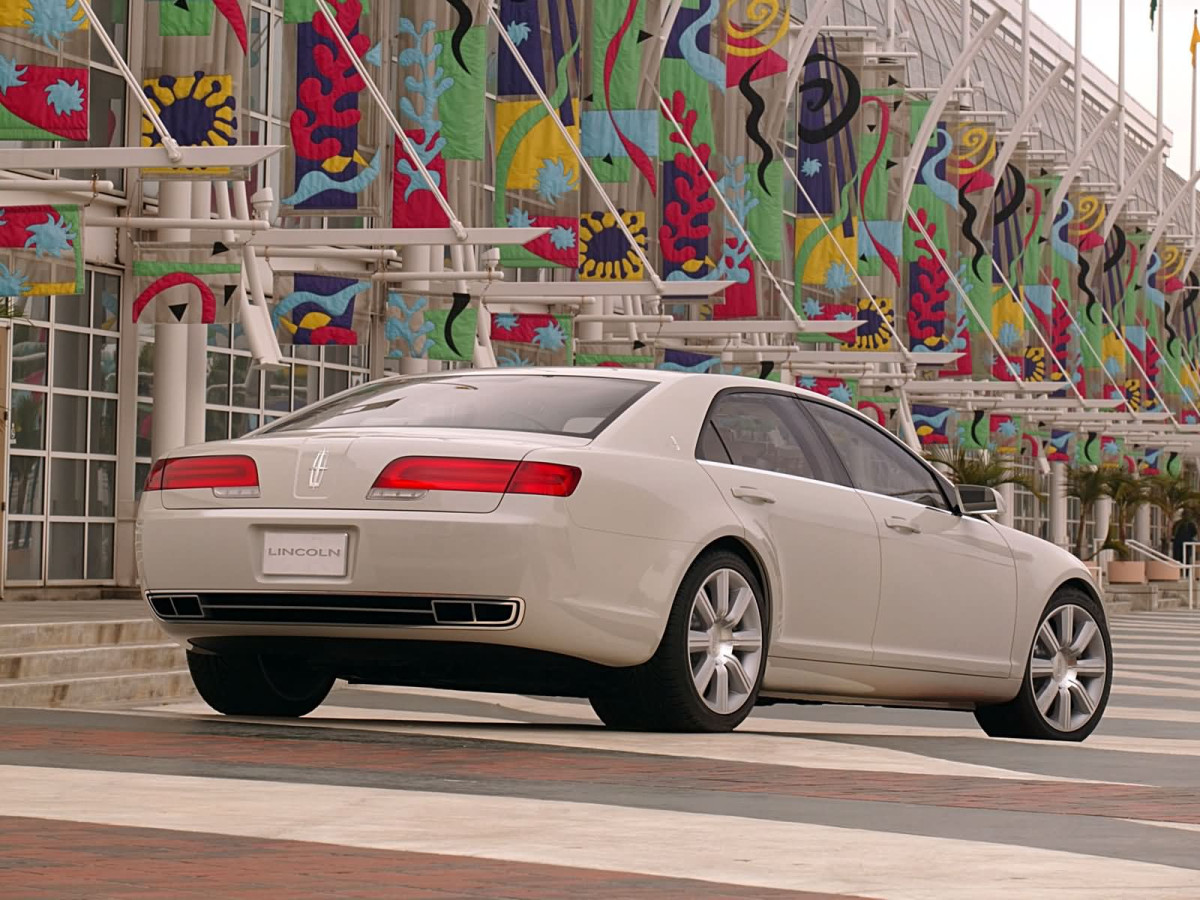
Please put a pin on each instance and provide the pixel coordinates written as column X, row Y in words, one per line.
column 760, row 450
column 949, row 595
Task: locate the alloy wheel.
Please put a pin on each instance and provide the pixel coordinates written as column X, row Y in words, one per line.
column 725, row 641
column 1068, row 668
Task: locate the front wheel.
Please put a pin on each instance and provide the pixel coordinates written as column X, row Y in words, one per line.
column 706, row 673
column 1067, row 678
column 253, row 685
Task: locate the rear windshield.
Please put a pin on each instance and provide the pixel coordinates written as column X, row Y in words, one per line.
column 544, row 404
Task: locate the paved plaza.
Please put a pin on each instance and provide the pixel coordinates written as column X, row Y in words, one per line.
column 417, row 793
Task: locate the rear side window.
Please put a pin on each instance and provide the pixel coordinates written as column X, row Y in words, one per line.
column 759, row 430
column 574, row 406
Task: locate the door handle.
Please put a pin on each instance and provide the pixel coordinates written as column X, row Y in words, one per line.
column 749, row 493
column 901, row 524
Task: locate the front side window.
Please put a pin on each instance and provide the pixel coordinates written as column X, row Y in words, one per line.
column 759, row 430
column 875, row 461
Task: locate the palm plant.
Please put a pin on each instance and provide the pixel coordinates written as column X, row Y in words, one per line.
column 1087, row 485
column 982, row 468
column 1175, row 498
column 1127, row 492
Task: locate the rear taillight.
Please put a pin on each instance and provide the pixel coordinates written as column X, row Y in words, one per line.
column 226, row 476
column 414, row 476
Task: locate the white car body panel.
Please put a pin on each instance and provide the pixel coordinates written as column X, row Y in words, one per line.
column 858, row 611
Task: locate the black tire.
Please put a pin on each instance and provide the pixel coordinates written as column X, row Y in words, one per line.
column 1019, row 717
column 253, row 685
column 660, row 694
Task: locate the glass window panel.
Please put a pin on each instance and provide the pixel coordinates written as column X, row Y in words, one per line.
column 71, row 310
column 34, row 308
column 106, row 301
column 26, row 477
column 29, row 421
column 70, row 423
column 216, row 425
column 338, row 355
column 218, row 336
column 306, row 387
column 245, row 382
column 104, row 426
column 218, row 378
column 68, row 481
column 277, row 389
column 336, row 381
column 104, row 364
column 241, row 340
column 66, row 552
column 242, row 423
column 70, row 359
column 31, row 350
column 145, row 369
column 102, row 488
column 141, row 473
column 145, row 423
column 100, row 551
column 25, row 551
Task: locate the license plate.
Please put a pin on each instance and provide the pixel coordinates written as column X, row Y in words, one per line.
column 305, row 553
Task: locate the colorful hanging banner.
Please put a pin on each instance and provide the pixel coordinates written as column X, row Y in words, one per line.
column 442, row 62
column 186, row 284
column 532, row 339
column 416, row 331
column 335, row 154
column 537, row 173
column 41, row 99
column 41, row 251
column 321, row 309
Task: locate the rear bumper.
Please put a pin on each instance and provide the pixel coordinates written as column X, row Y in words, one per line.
column 581, row 593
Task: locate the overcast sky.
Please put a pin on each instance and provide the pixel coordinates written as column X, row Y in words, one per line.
column 1100, row 43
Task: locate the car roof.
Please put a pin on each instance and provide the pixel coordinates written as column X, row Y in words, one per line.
column 655, row 375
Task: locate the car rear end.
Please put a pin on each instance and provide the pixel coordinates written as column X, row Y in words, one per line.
column 401, row 511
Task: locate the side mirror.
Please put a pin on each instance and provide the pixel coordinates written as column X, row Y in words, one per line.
column 976, row 500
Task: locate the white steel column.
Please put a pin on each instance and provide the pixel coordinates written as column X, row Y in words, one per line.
column 1078, row 81
column 1162, row 162
column 1058, row 504
column 1120, row 96
column 1009, row 493
column 1103, row 520
column 889, row 39
column 1192, row 160
column 1026, row 52
column 1141, row 524
column 197, row 336
column 170, row 338
column 417, row 258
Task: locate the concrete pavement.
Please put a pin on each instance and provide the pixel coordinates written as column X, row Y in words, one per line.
column 410, row 793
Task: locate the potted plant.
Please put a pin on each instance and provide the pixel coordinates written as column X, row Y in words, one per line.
column 1085, row 484
column 1127, row 492
column 1174, row 497
column 982, row 468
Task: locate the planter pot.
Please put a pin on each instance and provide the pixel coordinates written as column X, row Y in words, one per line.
column 1122, row 572
column 1162, row 571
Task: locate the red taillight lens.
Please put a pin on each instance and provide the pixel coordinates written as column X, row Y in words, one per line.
column 489, row 476
column 548, row 479
column 198, row 472
column 431, row 473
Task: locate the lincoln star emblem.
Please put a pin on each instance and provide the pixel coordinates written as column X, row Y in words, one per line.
column 317, row 472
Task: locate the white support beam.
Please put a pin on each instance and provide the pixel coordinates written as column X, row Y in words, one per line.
column 733, row 327
column 1073, row 168
column 1117, row 206
column 672, row 291
column 393, row 237
column 98, row 158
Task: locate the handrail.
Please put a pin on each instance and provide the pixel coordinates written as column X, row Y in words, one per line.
column 1150, row 552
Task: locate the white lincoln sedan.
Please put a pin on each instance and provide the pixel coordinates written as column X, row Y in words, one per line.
column 675, row 548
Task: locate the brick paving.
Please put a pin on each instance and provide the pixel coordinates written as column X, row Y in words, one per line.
column 288, row 756
column 50, row 859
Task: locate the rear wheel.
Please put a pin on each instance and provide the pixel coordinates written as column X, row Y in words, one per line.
column 706, row 673
column 253, row 685
column 1067, row 678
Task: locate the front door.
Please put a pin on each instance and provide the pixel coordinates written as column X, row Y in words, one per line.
column 949, row 590
column 760, row 450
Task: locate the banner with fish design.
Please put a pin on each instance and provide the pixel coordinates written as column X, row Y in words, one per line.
column 336, row 149
column 44, row 73
column 321, row 309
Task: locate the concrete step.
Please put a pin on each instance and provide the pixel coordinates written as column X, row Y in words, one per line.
column 98, row 690
column 1117, row 607
column 41, row 635
column 70, row 662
